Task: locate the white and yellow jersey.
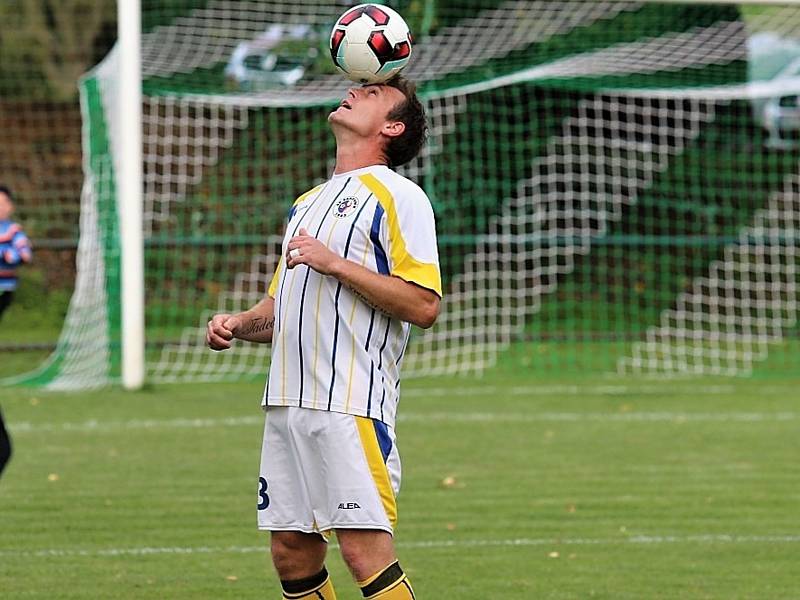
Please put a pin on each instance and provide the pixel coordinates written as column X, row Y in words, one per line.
column 331, row 350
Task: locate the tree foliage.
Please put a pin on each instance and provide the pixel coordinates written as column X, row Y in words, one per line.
column 46, row 45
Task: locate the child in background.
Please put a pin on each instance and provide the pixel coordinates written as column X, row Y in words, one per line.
column 14, row 249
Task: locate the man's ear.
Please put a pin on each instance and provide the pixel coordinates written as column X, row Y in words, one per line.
column 393, row 128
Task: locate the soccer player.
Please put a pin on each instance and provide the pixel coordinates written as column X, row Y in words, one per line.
column 360, row 264
column 15, row 249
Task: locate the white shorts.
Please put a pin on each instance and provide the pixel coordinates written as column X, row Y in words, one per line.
column 325, row 470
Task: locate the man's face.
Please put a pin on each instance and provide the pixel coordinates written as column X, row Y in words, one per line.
column 364, row 109
column 6, row 207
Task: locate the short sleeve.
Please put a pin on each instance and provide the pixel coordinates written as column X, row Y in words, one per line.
column 409, row 234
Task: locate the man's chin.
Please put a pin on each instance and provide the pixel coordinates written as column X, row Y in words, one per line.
column 338, row 112
column 338, row 119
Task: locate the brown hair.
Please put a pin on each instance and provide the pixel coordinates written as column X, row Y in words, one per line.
column 401, row 149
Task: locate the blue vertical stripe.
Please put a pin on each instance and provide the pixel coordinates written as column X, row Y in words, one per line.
column 383, row 345
column 382, row 264
column 369, row 393
column 380, row 362
column 375, row 236
column 369, row 333
column 403, row 349
column 371, row 362
column 335, row 341
column 353, row 226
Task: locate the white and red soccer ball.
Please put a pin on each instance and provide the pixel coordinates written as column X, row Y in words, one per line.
column 370, row 43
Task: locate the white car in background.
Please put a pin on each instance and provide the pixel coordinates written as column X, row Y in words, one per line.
column 277, row 58
column 781, row 118
column 774, row 61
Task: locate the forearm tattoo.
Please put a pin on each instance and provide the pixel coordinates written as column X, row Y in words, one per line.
column 365, row 300
column 257, row 325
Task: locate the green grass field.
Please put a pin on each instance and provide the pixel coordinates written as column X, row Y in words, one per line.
column 512, row 488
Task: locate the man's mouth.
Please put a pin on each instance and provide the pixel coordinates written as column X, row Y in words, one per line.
column 346, row 104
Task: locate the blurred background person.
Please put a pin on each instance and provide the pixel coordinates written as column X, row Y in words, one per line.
column 15, row 249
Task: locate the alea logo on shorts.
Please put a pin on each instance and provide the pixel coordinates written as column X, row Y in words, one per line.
column 348, row 505
column 345, row 207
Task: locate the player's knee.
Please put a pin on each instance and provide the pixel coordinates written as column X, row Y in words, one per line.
column 364, row 558
column 286, row 552
column 297, row 555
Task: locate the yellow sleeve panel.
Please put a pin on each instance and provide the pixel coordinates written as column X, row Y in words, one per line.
column 420, row 217
column 273, row 285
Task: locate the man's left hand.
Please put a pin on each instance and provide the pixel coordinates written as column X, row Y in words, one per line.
column 305, row 249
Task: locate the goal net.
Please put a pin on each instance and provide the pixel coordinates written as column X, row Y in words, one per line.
column 616, row 184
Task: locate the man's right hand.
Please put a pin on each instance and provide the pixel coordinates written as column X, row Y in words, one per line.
column 221, row 331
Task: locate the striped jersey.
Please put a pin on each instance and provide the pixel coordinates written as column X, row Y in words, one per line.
column 331, row 350
column 14, row 249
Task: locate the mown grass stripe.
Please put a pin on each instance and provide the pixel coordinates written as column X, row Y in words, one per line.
column 707, row 538
column 90, row 426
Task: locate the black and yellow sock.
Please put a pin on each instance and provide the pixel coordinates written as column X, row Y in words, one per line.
column 316, row 587
column 389, row 584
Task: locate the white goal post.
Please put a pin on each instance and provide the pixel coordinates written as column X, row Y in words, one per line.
column 131, row 192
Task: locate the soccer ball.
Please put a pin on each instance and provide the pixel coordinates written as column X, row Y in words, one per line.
column 370, row 43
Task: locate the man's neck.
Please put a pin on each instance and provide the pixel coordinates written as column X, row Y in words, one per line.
column 350, row 157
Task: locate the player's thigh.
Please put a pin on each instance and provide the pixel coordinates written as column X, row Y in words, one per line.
column 297, row 555
column 283, row 503
column 366, row 551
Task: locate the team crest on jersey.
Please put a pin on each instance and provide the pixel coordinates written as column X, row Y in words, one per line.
column 345, row 207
